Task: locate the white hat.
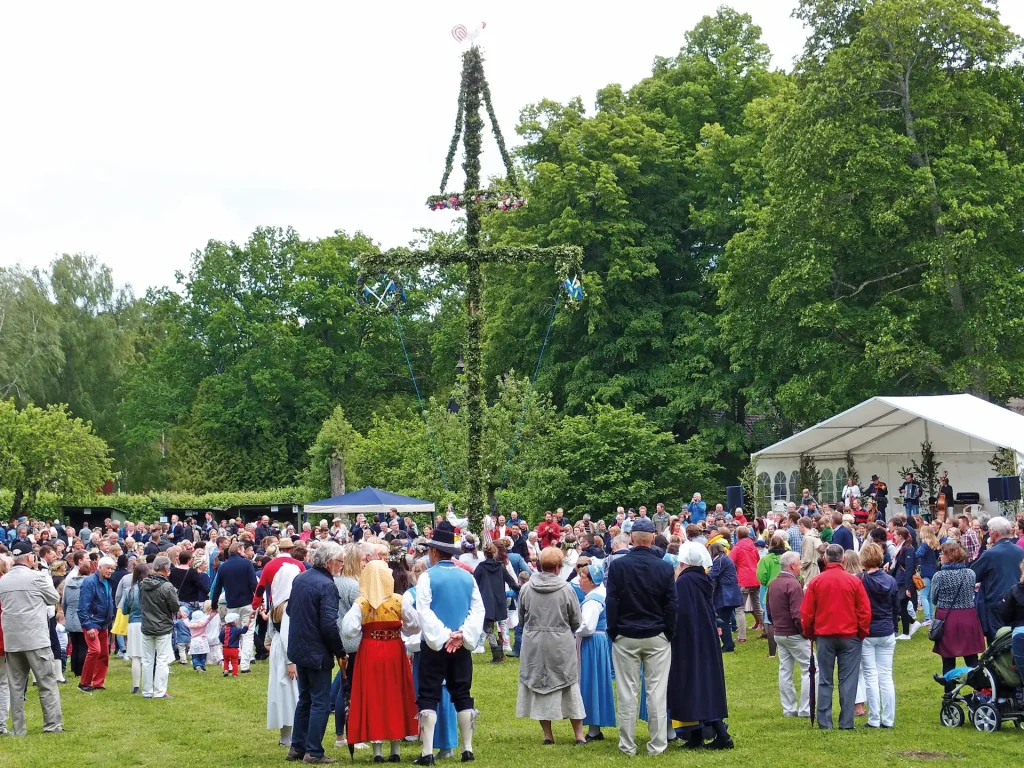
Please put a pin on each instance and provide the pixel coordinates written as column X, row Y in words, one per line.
column 694, row 553
column 197, row 615
column 231, row 618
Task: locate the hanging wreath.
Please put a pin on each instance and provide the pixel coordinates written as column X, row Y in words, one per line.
column 456, row 201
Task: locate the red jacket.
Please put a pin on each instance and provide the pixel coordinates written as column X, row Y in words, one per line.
column 835, row 605
column 548, row 533
column 744, row 554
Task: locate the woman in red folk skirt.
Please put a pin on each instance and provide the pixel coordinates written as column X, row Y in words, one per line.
column 383, row 705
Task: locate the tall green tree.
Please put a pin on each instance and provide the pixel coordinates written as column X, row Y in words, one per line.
column 623, row 182
column 884, row 254
column 31, row 357
column 48, row 449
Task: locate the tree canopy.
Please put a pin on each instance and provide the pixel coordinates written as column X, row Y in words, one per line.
column 762, row 250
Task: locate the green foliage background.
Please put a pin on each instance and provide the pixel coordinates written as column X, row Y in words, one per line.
column 762, row 249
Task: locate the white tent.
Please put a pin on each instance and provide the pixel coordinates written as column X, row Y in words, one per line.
column 884, row 434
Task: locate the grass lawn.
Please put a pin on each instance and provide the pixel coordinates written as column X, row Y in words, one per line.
column 214, row 721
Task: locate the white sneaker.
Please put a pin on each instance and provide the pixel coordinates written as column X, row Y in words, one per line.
column 340, row 743
column 914, row 627
column 926, row 623
column 902, row 637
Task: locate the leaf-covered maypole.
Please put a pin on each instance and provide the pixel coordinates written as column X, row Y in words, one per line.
column 568, row 260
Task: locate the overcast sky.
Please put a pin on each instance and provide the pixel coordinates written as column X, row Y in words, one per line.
column 138, row 131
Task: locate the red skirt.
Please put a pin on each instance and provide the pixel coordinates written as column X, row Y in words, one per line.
column 383, row 706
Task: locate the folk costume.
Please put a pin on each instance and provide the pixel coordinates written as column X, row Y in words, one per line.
column 447, row 601
column 696, row 631
column 282, row 692
column 383, row 703
column 446, row 731
column 596, row 660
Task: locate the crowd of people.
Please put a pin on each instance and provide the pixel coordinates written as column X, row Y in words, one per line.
column 376, row 620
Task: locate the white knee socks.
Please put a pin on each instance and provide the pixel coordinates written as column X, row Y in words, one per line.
column 467, row 720
column 136, row 671
column 286, row 735
column 396, row 748
column 377, row 748
column 57, row 671
column 428, row 719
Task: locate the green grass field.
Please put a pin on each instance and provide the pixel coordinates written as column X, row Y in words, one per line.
column 215, row 721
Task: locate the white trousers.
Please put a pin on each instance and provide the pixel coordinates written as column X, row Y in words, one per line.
column 876, row 665
column 655, row 655
column 157, row 655
column 794, row 652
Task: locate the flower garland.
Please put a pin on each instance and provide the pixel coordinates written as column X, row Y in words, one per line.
column 456, row 201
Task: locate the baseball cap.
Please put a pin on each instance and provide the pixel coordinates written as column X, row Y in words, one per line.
column 643, row 525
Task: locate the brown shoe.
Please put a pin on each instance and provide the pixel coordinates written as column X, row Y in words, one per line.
column 294, row 754
column 322, row 760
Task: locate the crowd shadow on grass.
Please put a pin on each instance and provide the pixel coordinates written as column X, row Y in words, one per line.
column 214, row 722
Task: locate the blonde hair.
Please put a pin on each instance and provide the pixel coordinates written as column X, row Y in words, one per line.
column 851, row 562
column 551, row 559
column 928, row 537
column 353, row 561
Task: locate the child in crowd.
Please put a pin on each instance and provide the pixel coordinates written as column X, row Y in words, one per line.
column 230, row 638
column 199, row 646
column 62, row 640
column 182, row 636
column 216, row 654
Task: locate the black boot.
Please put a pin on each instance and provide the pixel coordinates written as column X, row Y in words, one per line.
column 497, row 655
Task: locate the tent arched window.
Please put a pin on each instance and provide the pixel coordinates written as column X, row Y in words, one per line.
column 828, row 488
column 794, row 492
column 781, row 486
column 840, row 482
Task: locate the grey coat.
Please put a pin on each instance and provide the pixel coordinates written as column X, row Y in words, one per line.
column 69, row 603
column 25, row 595
column 549, row 613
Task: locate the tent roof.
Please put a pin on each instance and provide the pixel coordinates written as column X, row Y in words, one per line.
column 370, row 500
column 961, row 419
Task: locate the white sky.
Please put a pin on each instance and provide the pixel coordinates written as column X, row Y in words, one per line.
column 138, row 131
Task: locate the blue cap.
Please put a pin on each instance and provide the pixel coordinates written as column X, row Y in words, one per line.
column 643, row 525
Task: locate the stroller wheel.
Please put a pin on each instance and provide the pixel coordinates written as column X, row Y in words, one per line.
column 952, row 715
column 987, row 718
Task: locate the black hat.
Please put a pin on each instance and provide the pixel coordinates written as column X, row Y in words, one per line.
column 443, row 540
column 21, row 548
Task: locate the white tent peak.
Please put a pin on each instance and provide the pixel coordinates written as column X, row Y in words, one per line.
column 961, row 423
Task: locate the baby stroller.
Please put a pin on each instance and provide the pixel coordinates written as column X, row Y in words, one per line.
column 995, row 686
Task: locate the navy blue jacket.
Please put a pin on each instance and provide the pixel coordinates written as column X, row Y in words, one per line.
column 313, row 636
column 928, row 560
column 997, row 570
column 236, row 580
column 885, row 603
column 96, row 603
column 641, row 600
column 727, row 586
column 906, row 565
column 843, row 536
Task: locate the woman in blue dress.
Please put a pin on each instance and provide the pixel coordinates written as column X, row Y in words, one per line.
column 595, row 656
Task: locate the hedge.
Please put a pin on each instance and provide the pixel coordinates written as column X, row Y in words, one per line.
column 147, row 507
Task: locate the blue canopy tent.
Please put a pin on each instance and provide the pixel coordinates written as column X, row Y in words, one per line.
column 368, row 501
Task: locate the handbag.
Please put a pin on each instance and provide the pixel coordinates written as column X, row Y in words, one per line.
column 918, row 582
column 120, row 623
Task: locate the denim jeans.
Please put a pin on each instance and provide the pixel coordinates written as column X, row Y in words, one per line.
column 926, row 599
column 312, row 711
column 517, row 646
column 876, row 662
